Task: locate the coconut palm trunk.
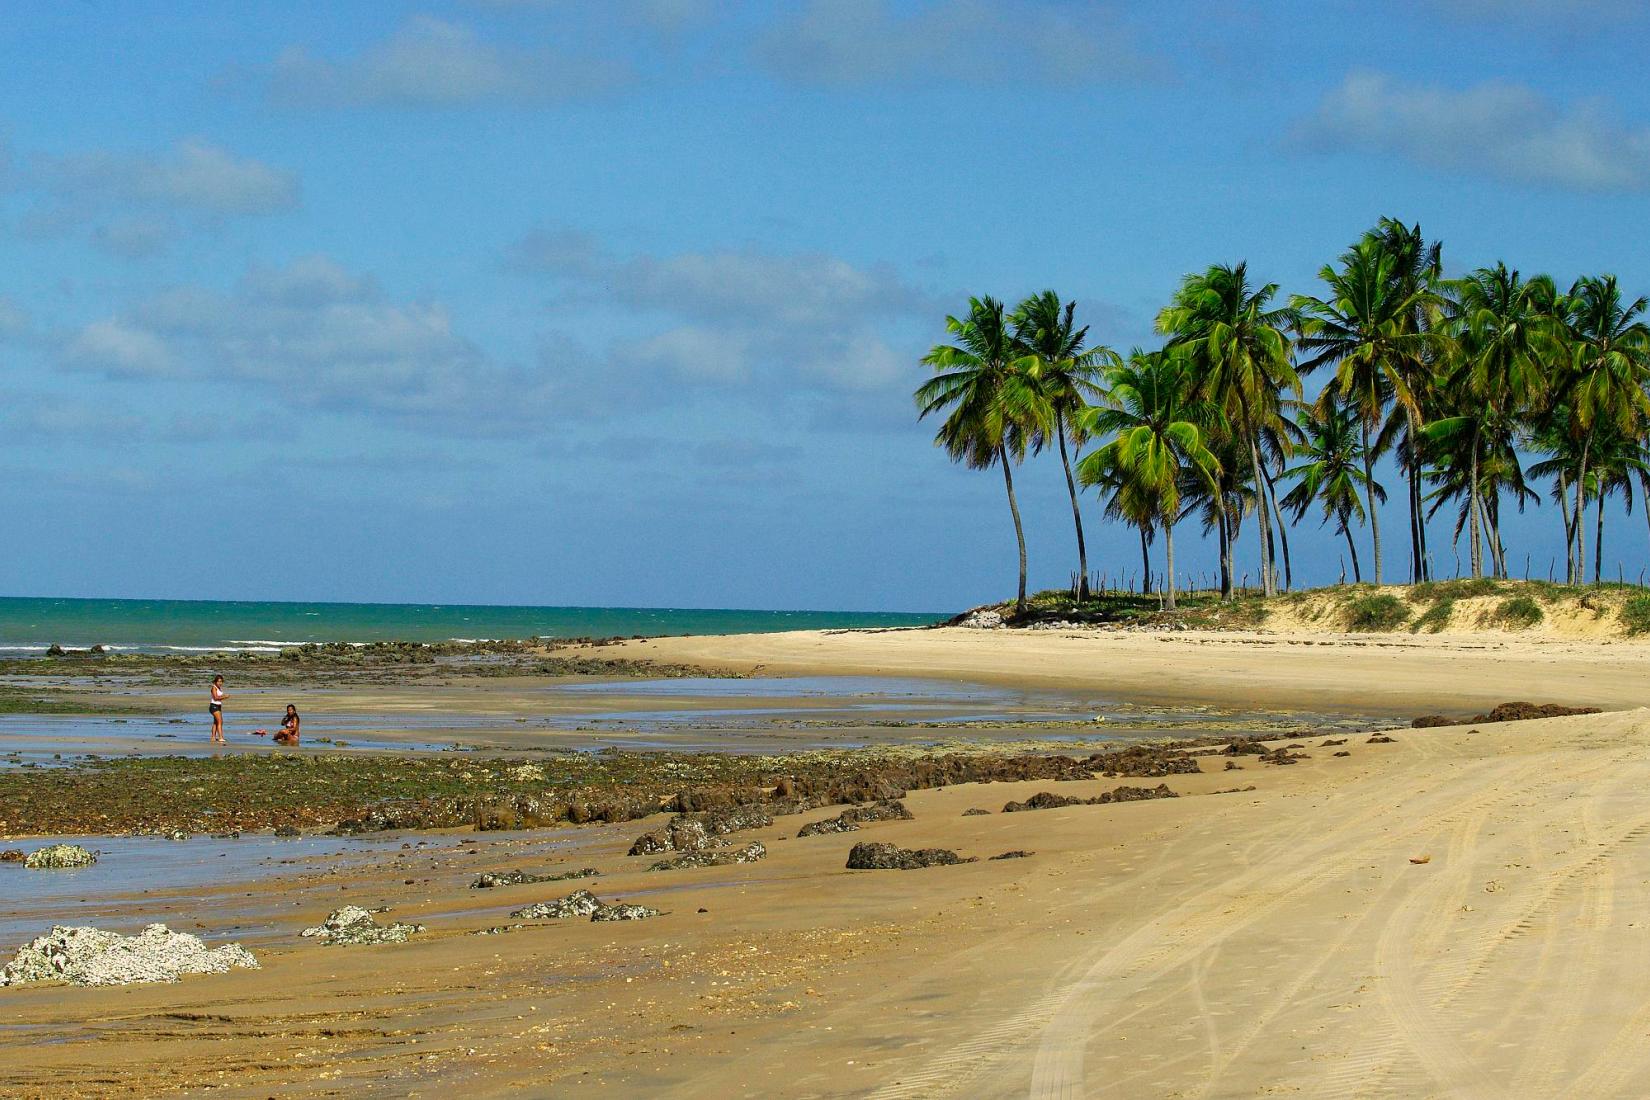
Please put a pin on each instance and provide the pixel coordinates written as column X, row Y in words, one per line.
column 1145, row 560
column 1226, row 548
column 1019, row 529
column 1268, row 579
column 1579, row 573
column 1076, row 512
column 1352, row 548
column 1598, row 544
column 1369, row 487
column 1168, row 563
column 1417, row 529
column 1568, row 518
column 1283, row 531
column 1475, row 510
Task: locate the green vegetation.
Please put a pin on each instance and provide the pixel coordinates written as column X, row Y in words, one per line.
column 1434, row 618
column 1517, row 613
column 1376, row 612
column 1462, row 381
column 1635, row 614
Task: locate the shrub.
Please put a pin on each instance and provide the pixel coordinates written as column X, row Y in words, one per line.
column 1635, row 614
column 1436, row 617
column 1517, row 613
column 1462, row 588
column 1376, row 612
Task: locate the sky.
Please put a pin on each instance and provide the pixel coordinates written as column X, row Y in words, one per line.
column 622, row 303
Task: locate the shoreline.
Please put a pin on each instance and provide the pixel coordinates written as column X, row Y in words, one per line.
column 1305, row 892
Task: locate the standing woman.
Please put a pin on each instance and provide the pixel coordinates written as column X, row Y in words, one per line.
column 215, row 709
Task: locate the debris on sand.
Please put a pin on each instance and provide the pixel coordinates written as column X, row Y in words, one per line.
column 975, row 811
column 1328, row 742
column 59, row 856
column 91, row 956
column 1282, row 755
column 1381, row 739
column 1245, row 748
column 489, row 879
column 849, row 820
column 891, row 857
column 1420, row 859
column 354, row 925
column 1343, row 752
column 1047, row 800
column 621, row 911
column 750, row 853
column 1018, row 853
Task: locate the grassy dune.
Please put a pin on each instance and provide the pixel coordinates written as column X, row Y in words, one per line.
column 1535, row 609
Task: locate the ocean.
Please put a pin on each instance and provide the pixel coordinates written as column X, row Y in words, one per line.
column 31, row 624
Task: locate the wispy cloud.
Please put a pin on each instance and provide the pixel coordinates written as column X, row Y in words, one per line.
column 137, row 203
column 431, row 62
column 319, row 336
column 1497, row 129
column 870, row 42
column 759, row 321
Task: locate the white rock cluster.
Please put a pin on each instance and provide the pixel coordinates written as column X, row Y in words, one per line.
column 983, row 620
column 91, row 956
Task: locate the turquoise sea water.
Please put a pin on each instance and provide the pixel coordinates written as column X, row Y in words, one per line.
column 29, row 624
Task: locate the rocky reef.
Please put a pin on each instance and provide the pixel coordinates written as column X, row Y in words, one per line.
column 60, row 856
column 353, row 925
column 891, row 857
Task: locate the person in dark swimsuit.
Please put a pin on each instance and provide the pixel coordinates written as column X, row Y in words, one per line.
column 215, row 709
column 288, row 734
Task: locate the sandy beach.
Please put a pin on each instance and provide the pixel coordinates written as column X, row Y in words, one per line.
column 1457, row 912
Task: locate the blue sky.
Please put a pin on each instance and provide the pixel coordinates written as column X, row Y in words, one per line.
column 540, row 301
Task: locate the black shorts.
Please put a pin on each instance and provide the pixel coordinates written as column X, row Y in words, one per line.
column 214, row 708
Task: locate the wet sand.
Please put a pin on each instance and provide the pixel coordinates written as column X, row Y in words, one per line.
column 1279, row 940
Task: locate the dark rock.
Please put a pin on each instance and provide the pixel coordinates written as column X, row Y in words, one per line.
column 750, row 853
column 1381, row 739
column 12, row 855
column 696, row 832
column 1233, row 766
column 1245, row 748
column 1506, row 712
column 849, row 820
column 1045, row 800
column 975, row 811
column 1143, row 761
column 1281, row 756
column 890, row 857
column 1343, row 752
column 286, row 830
column 519, row 877
column 1016, row 854
column 1327, row 742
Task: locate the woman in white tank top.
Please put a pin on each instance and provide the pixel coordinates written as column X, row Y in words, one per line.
column 215, row 709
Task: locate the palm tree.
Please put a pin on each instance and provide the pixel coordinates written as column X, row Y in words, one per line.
column 1238, row 351
column 1335, row 472
column 1504, row 330
column 1604, row 387
column 1068, row 373
column 1418, row 266
column 1364, row 329
column 994, row 404
column 1156, row 437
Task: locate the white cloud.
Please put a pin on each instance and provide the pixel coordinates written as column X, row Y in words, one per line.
column 120, row 349
column 430, row 62
column 764, row 322
column 856, row 42
column 321, row 337
column 194, row 176
column 1497, row 129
